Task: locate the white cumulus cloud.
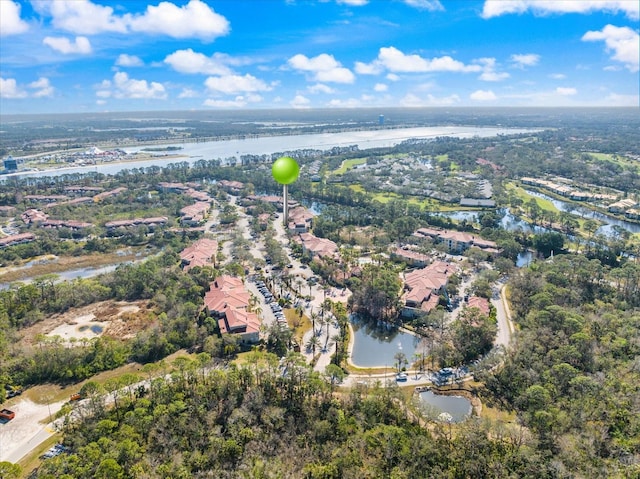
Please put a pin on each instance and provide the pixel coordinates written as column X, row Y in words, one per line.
column 324, row 68
column 489, row 72
column 188, row 61
column 320, row 88
column 380, row 87
column 9, row 89
column 125, row 60
column 300, row 101
column 194, row 20
column 233, row 84
column 394, row 60
column 483, row 95
column 10, row 21
column 42, row 88
column 495, row 8
column 188, row 93
column 557, row 76
column 525, row 59
column 124, row 87
column 63, row 45
column 81, row 16
column 623, row 42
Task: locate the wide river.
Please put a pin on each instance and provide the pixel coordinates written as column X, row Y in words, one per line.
column 222, row 150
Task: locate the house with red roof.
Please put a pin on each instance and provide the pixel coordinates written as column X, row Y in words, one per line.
column 481, row 303
column 317, row 247
column 300, row 220
column 228, row 301
column 424, row 286
column 201, row 253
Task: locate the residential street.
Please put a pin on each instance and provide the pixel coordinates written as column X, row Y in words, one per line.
column 505, row 325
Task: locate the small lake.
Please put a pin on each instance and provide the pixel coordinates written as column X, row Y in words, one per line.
column 458, row 407
column 376, row 345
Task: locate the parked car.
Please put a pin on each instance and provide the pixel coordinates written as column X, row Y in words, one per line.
column 7, row 415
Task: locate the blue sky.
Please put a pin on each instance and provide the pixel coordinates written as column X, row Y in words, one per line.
column 98, row 55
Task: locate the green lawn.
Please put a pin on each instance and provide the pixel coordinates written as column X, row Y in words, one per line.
column 348, row 164
column 617, row 159
column 524, row 196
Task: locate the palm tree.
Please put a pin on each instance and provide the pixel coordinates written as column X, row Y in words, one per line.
column 314, row 316
column 313, row 342
column 400, row 360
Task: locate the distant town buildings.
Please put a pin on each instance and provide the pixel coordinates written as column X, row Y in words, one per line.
column 16, row 239
column 194, row 214
column 10, row 164
column 231, row 186
column 457, row 242
column 151, row 223
column 71, row 224
column 622, row 205
column 33, row 215
column 107, row 194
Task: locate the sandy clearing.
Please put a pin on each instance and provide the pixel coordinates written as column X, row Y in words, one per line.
column 110, row 318
column 84, row 326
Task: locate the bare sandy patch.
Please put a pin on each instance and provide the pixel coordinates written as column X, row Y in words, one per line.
column 121, row 320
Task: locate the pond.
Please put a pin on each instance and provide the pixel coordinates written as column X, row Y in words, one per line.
column 375, row 345
column 457, row 407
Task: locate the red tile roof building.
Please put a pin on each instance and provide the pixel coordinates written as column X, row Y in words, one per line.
column 34, row 216
column 194, row 214
column 320, row 247
column 228, row 301
column 481, row 303
column 150, row 222
column 200, row 253
column 16, row 239
column 424, row 286
column 107, row 194
column 457, row 241
column 300, row 220
column 73, row 224
column 412, row 258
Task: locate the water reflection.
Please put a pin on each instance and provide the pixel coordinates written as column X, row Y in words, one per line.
column 457, row 407
column 376, row 344
column 606, row 229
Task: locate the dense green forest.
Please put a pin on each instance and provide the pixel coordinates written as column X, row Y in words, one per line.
column 572, row 380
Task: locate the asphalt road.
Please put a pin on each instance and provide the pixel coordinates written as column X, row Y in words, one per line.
column 505, row 325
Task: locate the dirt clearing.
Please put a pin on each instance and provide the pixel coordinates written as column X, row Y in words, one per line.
column 121, row 320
